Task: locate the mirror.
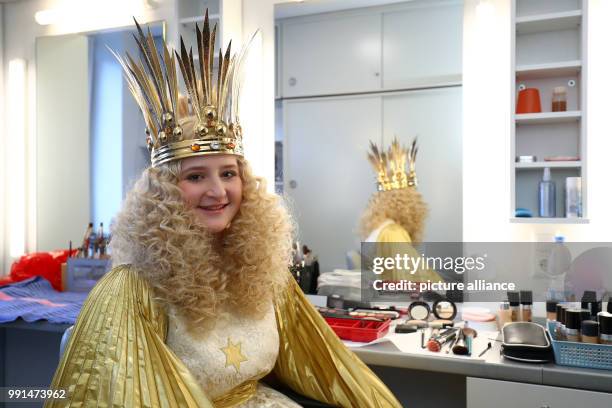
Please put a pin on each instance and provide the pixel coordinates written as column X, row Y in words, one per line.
column 90, row 141
column 366, row 71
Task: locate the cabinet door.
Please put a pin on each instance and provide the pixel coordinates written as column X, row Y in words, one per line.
column 331, row 56
column 484, row 393
column 434, row 116
column 422, row 46
column 326, row 173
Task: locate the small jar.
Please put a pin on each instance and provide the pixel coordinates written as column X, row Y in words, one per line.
column 551, row 310
column 559, row 99
column 572, row 324
column 589, row 331
column 605, row 327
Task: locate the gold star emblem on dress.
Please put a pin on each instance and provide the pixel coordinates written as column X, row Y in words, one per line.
column 233, row 354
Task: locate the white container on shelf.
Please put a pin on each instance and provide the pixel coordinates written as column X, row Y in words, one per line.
column 573, row 197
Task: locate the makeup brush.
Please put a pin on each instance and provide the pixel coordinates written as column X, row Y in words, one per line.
column 435, row 344
column 485, row 350
column 460, row 348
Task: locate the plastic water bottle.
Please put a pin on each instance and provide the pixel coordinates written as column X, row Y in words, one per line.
column 559, row 262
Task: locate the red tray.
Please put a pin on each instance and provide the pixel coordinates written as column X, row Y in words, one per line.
column 358, row 329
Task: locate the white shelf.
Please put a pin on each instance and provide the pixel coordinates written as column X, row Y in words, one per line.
column 553, row 69
column 198, row 19
column 550, row 164
column 565, row 20
column 538, row 220
column 547, row 117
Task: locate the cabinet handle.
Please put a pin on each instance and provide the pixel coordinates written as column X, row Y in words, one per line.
column 293, row 184
column 292, row 81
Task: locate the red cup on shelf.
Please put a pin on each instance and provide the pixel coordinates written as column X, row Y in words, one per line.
column 528, row 101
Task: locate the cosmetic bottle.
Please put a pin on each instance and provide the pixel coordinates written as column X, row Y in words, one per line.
column 573, row 197
column 590, row 331
column 504, row 314
column 551, row 310
column 526, row 305
column 605, row 327
column 589, row 301
column 514, row 300
column 559, row 99
column 548, row 204
column 572, row 325
column 560, row 329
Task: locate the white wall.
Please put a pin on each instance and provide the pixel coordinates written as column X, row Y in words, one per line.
column 2, row 144
column 20, row 32
column 487, row 87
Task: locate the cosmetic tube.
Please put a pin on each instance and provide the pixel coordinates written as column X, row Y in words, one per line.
column 572, row 324
column 589, row 331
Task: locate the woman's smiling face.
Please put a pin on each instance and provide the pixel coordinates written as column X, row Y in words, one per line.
column 212, row 188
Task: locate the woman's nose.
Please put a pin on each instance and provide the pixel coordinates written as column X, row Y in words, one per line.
column 216, row 189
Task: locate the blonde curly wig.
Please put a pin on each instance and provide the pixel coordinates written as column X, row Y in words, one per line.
column 197, row 272
column 404, row 206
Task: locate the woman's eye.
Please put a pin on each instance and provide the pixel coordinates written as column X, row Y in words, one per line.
column 229, row 174
column 195, row 177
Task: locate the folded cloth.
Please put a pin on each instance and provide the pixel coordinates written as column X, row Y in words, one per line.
column 45, row 264
column 35, row 299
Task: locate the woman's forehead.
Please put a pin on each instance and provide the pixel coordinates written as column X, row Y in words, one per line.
column 211, row 161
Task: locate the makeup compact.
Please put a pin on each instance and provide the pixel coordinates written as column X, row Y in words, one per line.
column 444, row 309
column 419, row 311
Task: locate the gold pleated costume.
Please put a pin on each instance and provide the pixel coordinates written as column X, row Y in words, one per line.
column 118, row 357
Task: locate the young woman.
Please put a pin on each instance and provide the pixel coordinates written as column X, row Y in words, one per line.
column 199, row 308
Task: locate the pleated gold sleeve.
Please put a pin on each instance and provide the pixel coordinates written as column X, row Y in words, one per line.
column 314, row 362
column 117, row 356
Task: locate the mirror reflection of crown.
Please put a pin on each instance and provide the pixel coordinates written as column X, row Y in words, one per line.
column 153, row 82
column 390, row 166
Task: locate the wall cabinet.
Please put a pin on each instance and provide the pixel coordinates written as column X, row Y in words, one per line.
column 549, row 52
column 485, row 393
column 387, row 48
column 422, row 46
column 332, row 56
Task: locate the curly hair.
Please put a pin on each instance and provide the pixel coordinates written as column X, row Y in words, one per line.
column 404, row 206
column 195, row 271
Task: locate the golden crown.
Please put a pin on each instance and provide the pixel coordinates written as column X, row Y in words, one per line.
column 390, row 166
column 154, row 84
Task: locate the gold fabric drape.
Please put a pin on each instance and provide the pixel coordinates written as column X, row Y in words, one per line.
column 117, row 356
column 393, row 239
column 314, row 362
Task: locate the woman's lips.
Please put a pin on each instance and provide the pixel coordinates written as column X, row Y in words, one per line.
column 213, row 209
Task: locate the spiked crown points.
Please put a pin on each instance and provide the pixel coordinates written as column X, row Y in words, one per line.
column 390, row 166
column 153, row 81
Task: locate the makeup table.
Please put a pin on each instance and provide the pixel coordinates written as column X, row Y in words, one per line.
column 423, row 380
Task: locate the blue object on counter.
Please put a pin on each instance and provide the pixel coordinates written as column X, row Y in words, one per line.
column 523, row 213
column 35, row 299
